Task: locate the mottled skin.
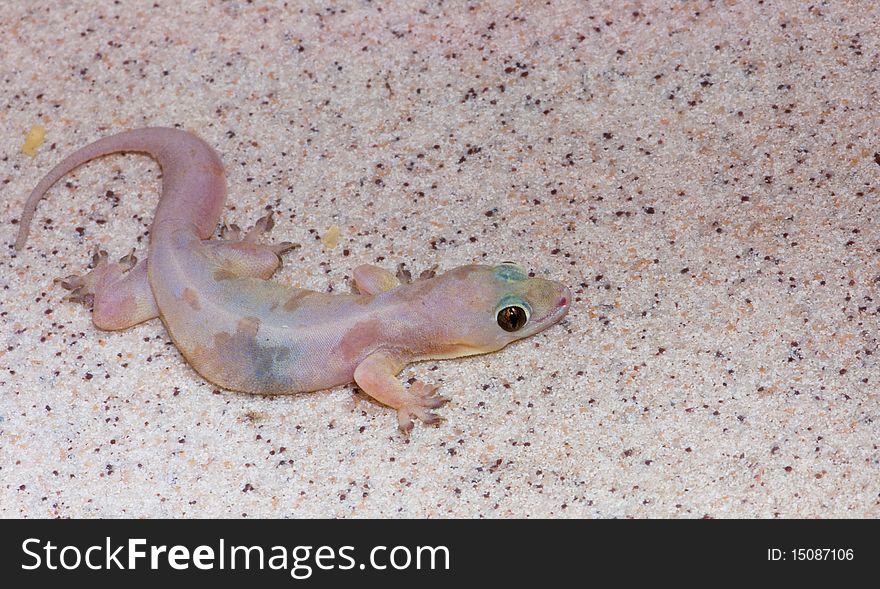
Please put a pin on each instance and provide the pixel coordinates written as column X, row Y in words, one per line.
column 246, row 333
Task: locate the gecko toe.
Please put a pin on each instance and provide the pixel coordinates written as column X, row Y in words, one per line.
column 406, row 416
column 71, row 282
column 429, row 273
column 403, row 274
column 283, row 247
column 230, row 232
column 427, row 396
column 263, row 225
column 99, row 258
column 128, row 261
column 404, row 421
column 79, row 297
column 430, row 418
column 434, row 401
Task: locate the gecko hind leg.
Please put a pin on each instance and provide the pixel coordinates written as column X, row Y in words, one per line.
column 118, row 292
column 245, row 256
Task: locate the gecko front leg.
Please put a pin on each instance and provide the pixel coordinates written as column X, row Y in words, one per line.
column 376, row 377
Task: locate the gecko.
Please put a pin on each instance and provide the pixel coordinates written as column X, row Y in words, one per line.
column 244, row 332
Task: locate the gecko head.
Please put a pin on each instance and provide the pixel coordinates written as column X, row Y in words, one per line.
column 488, row 307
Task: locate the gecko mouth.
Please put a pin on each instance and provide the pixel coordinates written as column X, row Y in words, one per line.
column 559, row 310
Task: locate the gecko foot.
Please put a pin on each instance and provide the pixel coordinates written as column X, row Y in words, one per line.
column 83, row 287
column 263, row 226
column 423, row 397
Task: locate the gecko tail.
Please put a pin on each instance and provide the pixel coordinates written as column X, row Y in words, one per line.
column 177, row 153
column 99, row 148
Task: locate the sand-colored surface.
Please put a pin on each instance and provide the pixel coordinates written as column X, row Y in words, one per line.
column 703, row 175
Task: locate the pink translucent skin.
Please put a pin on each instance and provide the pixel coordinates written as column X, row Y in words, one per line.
column 244, row 332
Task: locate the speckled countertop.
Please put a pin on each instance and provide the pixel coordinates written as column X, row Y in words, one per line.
column 703, row 175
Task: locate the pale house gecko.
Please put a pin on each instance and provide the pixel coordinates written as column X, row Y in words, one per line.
column 244, row 332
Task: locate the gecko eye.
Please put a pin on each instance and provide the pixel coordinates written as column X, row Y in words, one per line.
column 512, row 318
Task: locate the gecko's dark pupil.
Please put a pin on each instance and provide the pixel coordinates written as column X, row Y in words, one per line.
column 511, row 318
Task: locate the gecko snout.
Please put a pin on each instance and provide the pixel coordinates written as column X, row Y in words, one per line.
column 564, row 298
column 563, row 302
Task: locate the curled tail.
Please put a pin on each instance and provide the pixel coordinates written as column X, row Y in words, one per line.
column 192, row 173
